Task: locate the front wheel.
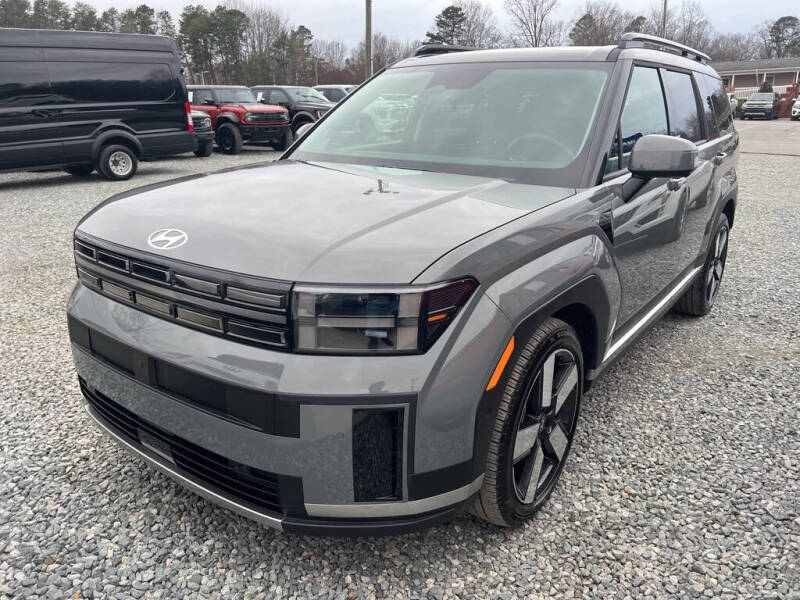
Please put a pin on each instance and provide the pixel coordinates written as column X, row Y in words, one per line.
column 117, row 162
column 229, row 138
column 535, row 423
column 285, row 141
column 80, row 170
column 699, row 298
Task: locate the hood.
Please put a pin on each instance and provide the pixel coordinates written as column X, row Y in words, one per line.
column 261, row 108
column 320, row 223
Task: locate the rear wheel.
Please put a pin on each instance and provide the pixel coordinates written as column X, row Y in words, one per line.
column 229, row 138
column 699, row 298
column 80, row 170
column 117, row 162
column 534, row 427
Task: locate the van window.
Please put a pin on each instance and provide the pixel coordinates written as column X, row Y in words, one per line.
column 111, row 82
column 644, row 112
column 684, row 121
column 24, row 84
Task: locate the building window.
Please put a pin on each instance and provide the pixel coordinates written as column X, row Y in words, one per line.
column 726, row 81
column 770, row 79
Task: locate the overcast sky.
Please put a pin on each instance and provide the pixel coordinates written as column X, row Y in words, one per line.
column 410, row 19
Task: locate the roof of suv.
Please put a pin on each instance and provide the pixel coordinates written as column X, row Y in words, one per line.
column 560, row 54
column 217, row 87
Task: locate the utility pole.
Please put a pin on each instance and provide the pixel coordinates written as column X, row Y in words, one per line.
column 368, row 40
column 664, row 21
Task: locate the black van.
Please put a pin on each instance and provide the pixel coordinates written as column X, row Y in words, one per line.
column 85, row 101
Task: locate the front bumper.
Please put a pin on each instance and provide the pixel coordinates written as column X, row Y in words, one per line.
column 264, row 133
column 756, row 112
column 325, row 472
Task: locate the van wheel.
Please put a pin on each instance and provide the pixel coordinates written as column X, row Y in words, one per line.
column 204, row 149
column 117, row 162
column 229, row 138
column 80, row 170
column 534, row 427
column 287, row 140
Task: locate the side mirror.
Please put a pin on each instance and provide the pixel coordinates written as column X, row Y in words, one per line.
column 662, row 156
column 302, row 130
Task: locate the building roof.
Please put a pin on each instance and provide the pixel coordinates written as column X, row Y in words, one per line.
column 751, row 66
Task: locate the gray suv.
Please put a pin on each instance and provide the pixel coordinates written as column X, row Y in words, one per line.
column 398, row 319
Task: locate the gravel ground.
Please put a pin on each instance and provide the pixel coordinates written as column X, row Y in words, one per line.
column 684, row 480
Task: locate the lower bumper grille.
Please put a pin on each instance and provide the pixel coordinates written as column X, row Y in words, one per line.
column 253, row 487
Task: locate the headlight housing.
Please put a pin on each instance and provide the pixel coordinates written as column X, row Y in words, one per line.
column 350, row 320
column 248, row 116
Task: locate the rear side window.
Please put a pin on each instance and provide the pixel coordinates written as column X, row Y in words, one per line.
column 111, row 82
column 200, row 96
column 24, row 84
column 706, row 87
column 721, row 106
column 684, row 121
column 644, row 112
column 333, row 94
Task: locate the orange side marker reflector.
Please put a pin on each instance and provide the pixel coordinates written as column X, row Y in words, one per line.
column 501, row 364
column 439, row 317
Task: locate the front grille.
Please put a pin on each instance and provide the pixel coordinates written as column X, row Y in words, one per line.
column 246, row 309
column 254, row 487
column 277, row 117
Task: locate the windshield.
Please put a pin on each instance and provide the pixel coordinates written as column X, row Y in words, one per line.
column 516, row 121
column 305, row 94
column 769, row 97
column 235, row 96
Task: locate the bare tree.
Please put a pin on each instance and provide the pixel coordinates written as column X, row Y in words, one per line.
column 480, row 26
column 534, row 23
column 602, row 23
column 733, row 46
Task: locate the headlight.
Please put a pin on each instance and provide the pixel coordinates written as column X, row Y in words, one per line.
column 348, row 320
column 248, row 116
column 205, row 123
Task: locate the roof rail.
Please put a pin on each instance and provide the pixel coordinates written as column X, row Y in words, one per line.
column 432, row 49
column 642, row 40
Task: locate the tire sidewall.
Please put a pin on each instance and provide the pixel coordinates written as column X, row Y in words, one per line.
column 565, row 338
column 722, row 221
column 104, row 165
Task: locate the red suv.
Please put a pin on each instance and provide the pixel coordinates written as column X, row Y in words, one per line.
column 237, row 117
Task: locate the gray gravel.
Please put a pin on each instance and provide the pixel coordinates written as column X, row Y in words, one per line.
column 684, row 480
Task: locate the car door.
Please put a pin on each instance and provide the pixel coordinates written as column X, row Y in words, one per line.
column 647, row 223
column 29, row 129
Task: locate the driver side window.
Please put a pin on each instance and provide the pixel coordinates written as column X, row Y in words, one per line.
column 199, row 97
column 644, row 112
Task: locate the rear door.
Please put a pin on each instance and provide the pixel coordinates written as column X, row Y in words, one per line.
column 29, row 127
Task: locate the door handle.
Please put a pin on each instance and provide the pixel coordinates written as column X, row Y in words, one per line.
column 44, row 114
column 673, row 185
column 719, row 158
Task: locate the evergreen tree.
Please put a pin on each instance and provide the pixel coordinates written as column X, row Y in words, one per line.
column 449, row 26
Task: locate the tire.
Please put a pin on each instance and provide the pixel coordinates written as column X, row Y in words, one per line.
column 548, row 431
column 80, row 170
column 204, row 149
column 286, row 141
column 117, row 162
column 229, row 138
column 299, row 124
column 699, row 299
